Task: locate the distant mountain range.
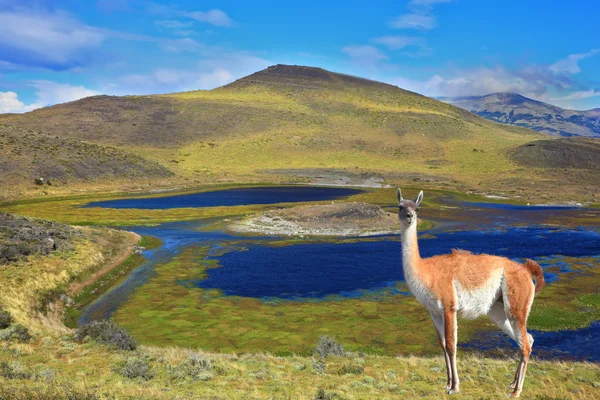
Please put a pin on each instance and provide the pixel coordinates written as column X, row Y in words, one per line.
column 514, row 109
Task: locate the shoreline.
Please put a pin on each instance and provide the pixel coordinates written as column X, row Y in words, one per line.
column 82, row 293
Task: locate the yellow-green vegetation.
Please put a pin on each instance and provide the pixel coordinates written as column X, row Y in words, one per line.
column 165, row 311
column 288, row 118
column 95, row 288
column 37, row 162
column 562, row 305
column 70, row 210
column 31, row 289
column 60, row 368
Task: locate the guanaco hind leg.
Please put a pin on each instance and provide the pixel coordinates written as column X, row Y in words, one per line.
column 450, row 334
column 511, row 317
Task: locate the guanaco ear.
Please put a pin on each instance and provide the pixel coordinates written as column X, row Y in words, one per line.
column 399, row 195
column 419, row 198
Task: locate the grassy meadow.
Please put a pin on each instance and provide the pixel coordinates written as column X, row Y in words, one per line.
column 188, row 348
column 260, row 130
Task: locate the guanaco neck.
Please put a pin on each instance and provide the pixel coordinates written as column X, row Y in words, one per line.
column 410, row 248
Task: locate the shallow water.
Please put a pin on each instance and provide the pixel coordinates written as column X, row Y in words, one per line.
column 233, row 197
column 321, row 269
column 581, row 344
column 260, row 267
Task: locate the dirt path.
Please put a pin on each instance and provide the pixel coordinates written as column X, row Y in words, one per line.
column 76, row 287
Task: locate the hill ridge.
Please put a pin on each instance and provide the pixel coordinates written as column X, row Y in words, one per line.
column 518, row 110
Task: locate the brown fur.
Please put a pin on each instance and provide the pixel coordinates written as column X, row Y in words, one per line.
column 537, row 273
column 438, row 276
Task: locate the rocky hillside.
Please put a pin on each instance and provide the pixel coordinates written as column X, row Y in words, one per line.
column 30, row 158
column 514, row 109
column 573, row 153
column 21, row 237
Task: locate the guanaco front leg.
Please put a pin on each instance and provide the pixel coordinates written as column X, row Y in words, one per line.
column 438, row 322
column 450, row 329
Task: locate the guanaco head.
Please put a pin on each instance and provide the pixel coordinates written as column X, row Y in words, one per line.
column 408, row 209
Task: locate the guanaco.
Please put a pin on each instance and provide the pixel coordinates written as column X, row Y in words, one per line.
column 472, row 285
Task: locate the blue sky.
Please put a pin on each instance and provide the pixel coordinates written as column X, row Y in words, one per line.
column 60, row 50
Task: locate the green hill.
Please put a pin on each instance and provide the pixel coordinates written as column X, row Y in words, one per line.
column 280, row 122
column 32, row 160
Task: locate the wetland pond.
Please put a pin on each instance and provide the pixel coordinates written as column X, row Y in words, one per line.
column 208, row 287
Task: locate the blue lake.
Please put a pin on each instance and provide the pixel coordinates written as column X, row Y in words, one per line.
column 321, row 269
column 258, row 267
column 232, row 197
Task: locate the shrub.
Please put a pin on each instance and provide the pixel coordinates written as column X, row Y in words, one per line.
column 323, row 394
column 14, row 370
column 327, row 346
column 5, row 319
column 15, row 332
column 134, row 367
column 318, row 366
column 196, row 367
column 351, row 369
column 107, row 332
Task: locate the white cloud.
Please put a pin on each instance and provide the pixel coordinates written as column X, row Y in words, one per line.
column 399, row 42
column 47, row 93
column 584, row 94
column 428, row 2
column 213, row 17
column 217, row 69
column 570, row 65
column 182, row 45
column 10, row 103
column 173, row 24
column 53, row 40
column 477, row 82
column 365, row 53
column 413, row 21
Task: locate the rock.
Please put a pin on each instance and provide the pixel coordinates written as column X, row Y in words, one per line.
column 39, row 181
column 138, row 249
column 67, row 300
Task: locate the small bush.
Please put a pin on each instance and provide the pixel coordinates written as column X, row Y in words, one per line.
column 134, row 367
column 107, row 332
column 196, row 367
column 323, row 394
column 351, row 369
column 318, row 366
column 15, row 332
column 14, row 370
column 5, row 319
column 328, row 346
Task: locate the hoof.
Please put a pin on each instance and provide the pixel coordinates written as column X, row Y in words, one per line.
column 452, row 391
column 514, row 394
